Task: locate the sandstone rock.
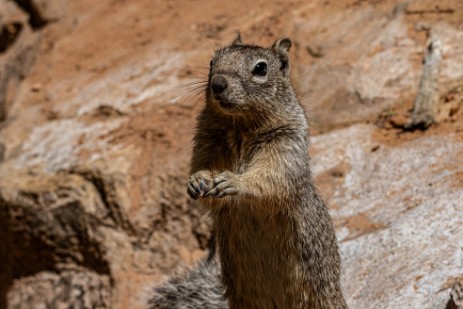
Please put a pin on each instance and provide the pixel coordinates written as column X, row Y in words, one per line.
column 18, row 45
column 373, row 71
column 377, row 66
column 42, row 12
column 456, row 294
column 48, row 223
column 416, row 206
column 64, row 177
column 67, row 289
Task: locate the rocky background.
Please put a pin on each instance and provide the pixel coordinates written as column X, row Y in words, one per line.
column 97, row 108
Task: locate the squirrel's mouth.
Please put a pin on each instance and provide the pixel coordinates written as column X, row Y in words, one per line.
column 224, row 102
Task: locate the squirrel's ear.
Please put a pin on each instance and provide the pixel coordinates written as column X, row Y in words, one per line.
column 282, row 45
column 237, row 39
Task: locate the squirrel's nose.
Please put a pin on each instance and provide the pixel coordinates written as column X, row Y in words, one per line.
column 218, row 84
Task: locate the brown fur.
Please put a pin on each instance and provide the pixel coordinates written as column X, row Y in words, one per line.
column 276, row 243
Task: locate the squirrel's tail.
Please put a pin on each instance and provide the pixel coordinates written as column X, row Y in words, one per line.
column 197, row 288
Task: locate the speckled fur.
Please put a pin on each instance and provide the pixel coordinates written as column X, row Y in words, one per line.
column 275, row 239
column 197, row 288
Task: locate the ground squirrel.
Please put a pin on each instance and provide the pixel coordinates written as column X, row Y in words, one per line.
column 276, row 244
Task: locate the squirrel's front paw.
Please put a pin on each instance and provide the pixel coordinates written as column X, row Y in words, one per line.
column 199, row 184
column 223, row 184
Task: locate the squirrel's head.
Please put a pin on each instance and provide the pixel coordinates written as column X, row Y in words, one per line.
column 247, row 78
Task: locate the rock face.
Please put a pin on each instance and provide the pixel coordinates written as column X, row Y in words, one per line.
column 369, row 61
column 18, row 46
column 98, row 99
column 80, row 289
column 403, row 217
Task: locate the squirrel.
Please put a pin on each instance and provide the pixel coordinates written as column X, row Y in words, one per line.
column 276, row 243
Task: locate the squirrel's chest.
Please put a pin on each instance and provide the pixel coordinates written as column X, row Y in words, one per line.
column 240, row 151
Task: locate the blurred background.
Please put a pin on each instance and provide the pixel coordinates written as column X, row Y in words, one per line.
column 97, row 108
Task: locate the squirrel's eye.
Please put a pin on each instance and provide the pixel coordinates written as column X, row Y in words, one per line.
column 260, row 69
column 211, row 63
